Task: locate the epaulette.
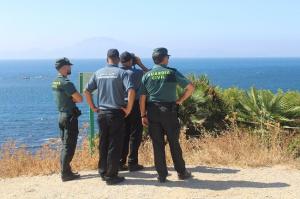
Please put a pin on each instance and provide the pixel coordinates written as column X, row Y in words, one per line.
column 173, row 69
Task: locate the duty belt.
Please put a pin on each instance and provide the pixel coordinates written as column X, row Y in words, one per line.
column 111, row 111
column 164, row 106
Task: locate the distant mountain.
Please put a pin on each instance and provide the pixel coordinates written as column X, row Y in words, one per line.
column 95, row 47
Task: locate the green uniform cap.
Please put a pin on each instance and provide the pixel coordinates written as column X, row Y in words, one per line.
column 160, row 52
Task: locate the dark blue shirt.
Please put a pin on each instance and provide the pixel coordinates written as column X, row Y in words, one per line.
column 136, row 76
column 111, row 83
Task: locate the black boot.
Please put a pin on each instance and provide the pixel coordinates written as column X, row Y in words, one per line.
column 123, row 167
column 114, row 180
column 185, row 175
column 136, row 167
column 162, row 179
column 69, row 176
column 102, row 176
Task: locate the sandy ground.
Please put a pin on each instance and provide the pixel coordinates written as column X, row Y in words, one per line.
column 208, row 182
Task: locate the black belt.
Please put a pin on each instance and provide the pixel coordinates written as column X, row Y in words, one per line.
column 163, row 103
column 164, row 106
column 75, row 112
column 111, row 111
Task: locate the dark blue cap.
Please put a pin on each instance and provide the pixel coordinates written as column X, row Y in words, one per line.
column 113, row 53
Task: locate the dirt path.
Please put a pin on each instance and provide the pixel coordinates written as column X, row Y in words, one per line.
column 208, row 182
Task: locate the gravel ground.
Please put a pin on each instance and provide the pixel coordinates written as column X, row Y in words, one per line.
column 208, row 182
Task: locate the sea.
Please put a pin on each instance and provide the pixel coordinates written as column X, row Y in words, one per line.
column 28, row 114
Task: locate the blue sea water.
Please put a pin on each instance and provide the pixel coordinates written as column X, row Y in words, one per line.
column 28, row 114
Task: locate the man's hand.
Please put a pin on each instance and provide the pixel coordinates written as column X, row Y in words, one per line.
column 187, row 93
column 138, row 60
column 140, row 64
column 76, row 97
column 145, row 121
column 131, row 98
column 96, row 110
column 90, row 101
column 126, row 111
column 143, row 99
column 179, row 102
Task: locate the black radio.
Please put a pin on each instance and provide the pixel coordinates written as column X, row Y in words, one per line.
column 76, row 112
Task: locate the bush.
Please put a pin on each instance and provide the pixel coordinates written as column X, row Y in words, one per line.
column 211, row 108
column 262, row 108
column 205, row 110
column 232, row 96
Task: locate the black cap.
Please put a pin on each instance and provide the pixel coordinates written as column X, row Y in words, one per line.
column 59, row 63
column 113, row 53
column 160, row 52
column 126, row 56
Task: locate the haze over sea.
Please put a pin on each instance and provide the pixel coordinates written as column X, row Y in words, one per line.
column 28, row 114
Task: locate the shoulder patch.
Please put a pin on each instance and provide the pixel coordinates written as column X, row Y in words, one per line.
column 56, row 84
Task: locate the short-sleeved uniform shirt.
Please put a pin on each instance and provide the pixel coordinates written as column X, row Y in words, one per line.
column 160, row 83
column 136, row 76
column 63, row 89
column 111, row 83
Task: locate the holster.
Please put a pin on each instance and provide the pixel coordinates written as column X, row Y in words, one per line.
column 76, row 112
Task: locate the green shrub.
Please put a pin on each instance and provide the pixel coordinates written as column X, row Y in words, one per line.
column 232, row 96
column 262, row 107
column 204, row 110
column 209, row 108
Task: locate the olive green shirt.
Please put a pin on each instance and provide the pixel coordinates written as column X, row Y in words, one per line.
column 63, row 89
column 159, row 84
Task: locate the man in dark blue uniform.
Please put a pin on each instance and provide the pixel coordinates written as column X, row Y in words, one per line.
column 159, row 87
column 111, row 83
column 66, row 97
column 133, row 123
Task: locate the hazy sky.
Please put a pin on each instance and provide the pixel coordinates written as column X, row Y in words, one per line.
column 195, row 28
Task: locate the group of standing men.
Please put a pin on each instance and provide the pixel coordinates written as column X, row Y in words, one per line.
column 127, row 99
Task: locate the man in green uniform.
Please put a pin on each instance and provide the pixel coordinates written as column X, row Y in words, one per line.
column 160, row 114
column 66, row 97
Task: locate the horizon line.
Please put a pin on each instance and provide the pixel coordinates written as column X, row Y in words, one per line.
column 209, row 57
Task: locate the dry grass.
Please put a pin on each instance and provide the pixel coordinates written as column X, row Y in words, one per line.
column 236, row 147
column 232, row 148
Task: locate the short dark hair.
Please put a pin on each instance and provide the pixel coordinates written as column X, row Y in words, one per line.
column 126, row 56
column 59, row 63
column 114, row 59
column 158, row 59
column 113, row 53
